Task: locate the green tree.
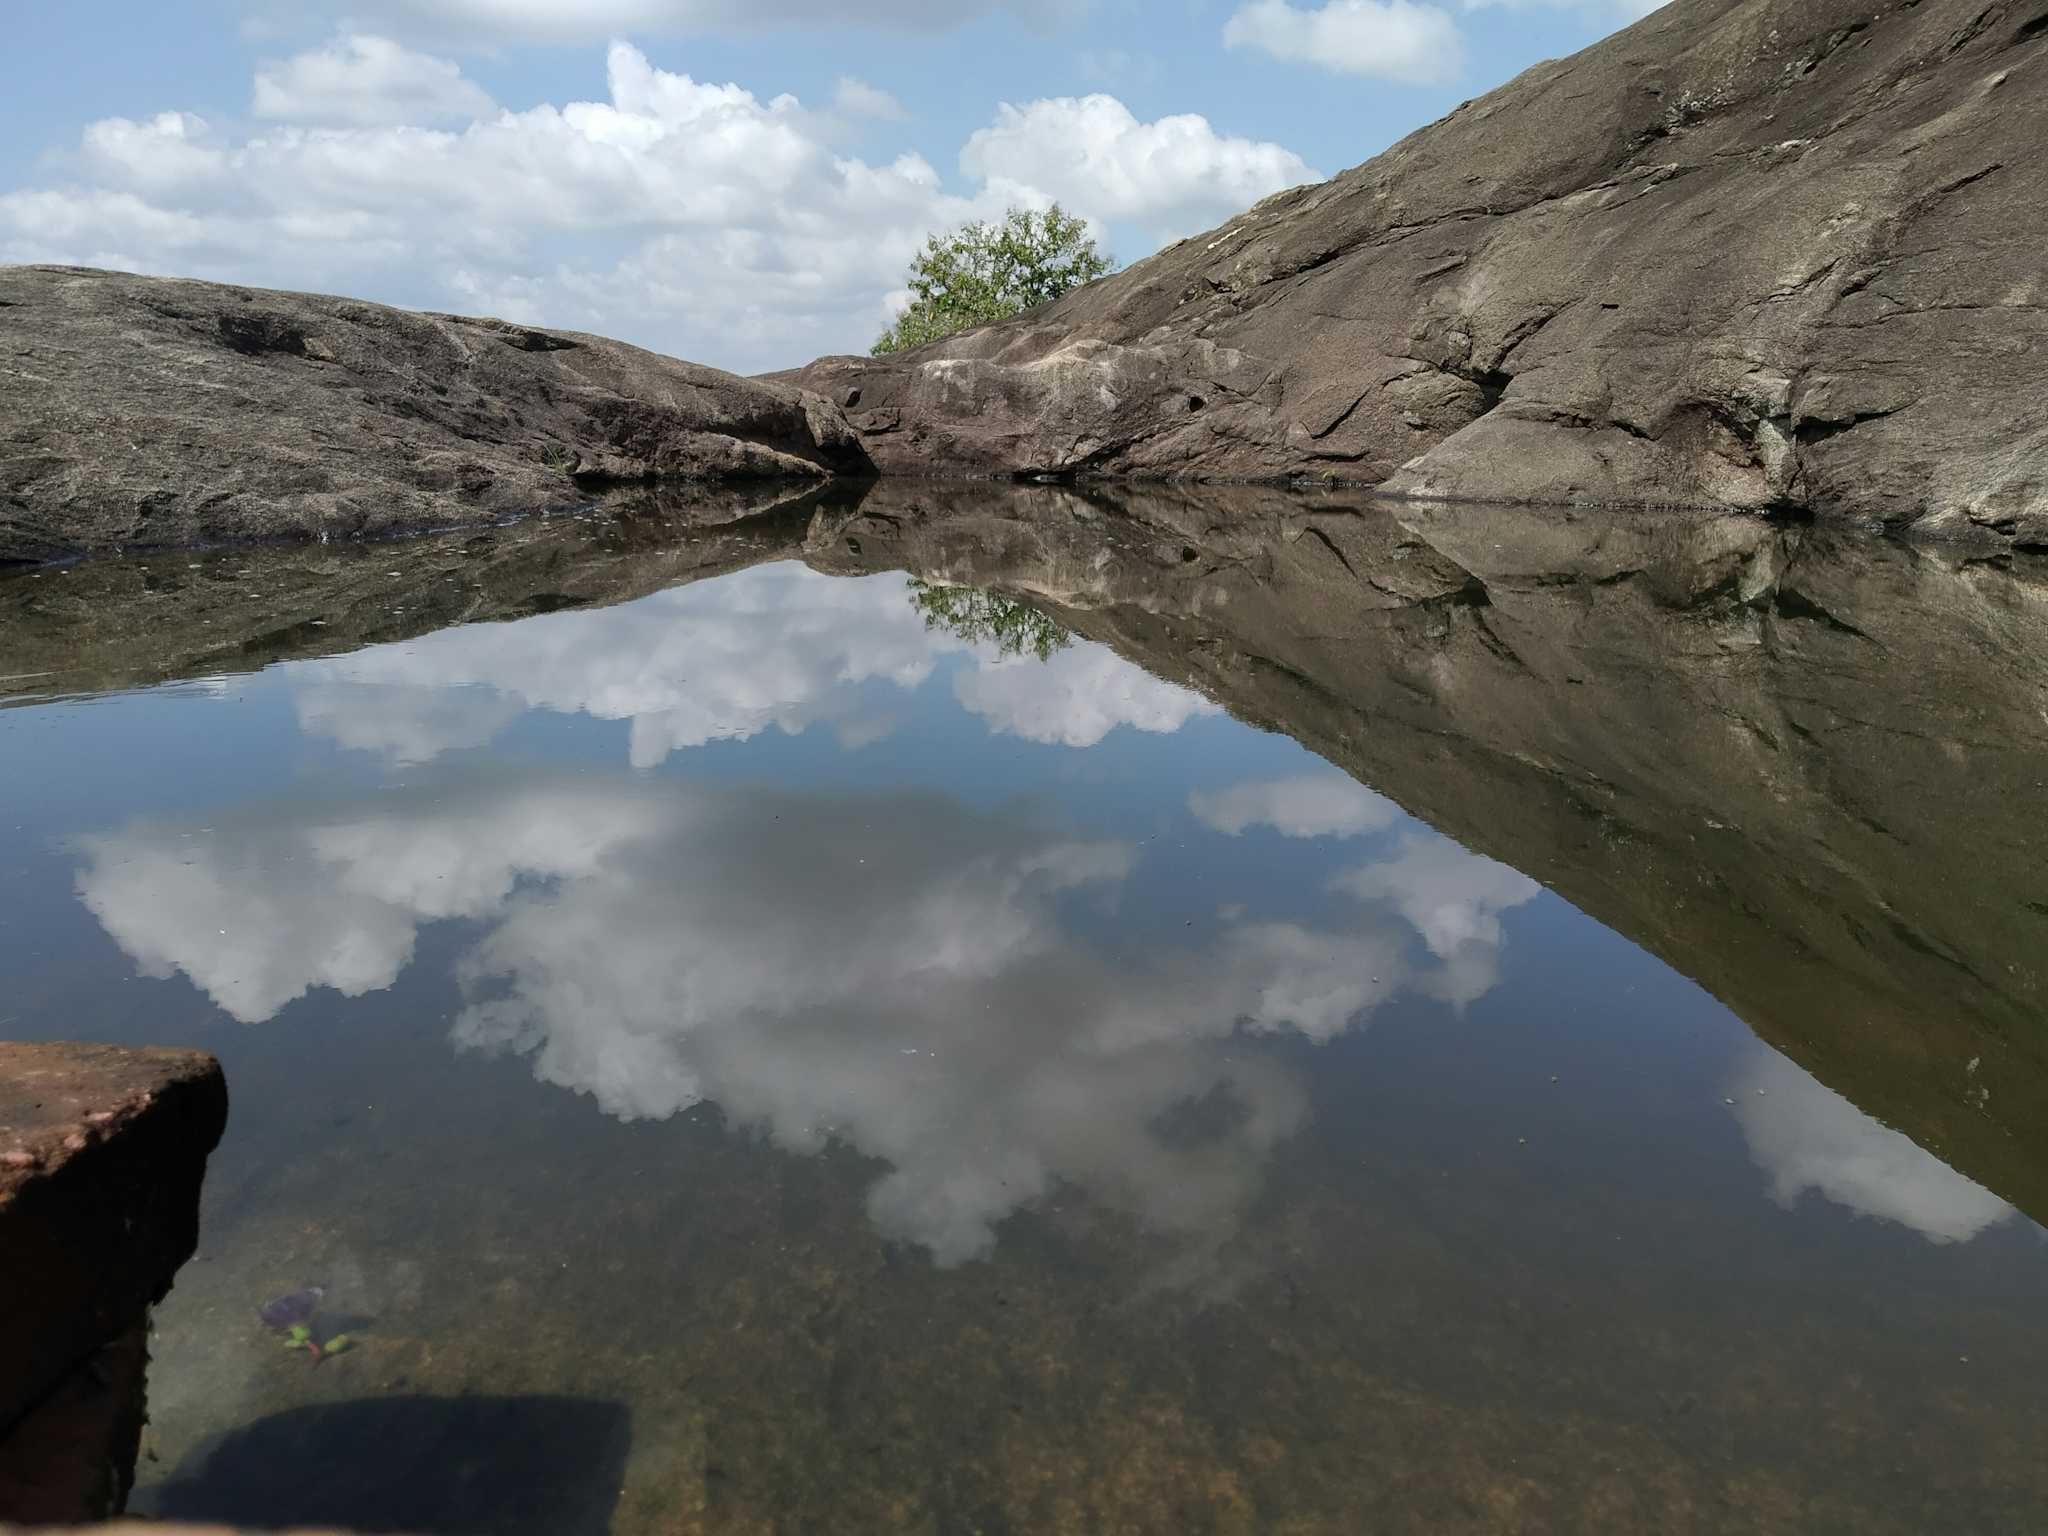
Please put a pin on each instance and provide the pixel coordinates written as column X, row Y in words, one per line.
column 1013, row 625
column 985, row 272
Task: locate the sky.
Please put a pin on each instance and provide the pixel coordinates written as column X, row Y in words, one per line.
column 739, row 182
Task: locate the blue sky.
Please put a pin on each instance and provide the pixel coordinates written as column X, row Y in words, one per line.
column 738, row 181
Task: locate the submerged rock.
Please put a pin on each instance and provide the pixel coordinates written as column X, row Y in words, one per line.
column 138, row 411
column 1769, row 255
column 295, row 1308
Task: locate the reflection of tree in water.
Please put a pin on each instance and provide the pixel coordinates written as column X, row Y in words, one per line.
column 1011, row 624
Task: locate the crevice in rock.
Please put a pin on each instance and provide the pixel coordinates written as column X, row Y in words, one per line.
column 1325, row 540
column 1813, row 430
column 1829, row 45
column 1971, row 30
column 1789, row 604
column 1340, row 418
column 252, row 335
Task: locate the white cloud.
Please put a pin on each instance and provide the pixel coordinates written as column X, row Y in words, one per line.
column 697, row 218
column 1174, row 176
column 898, row 972
column 362, row 81
column 1387, row 39
column 778, row 647
column 1807, row 1136
column 1315, row 805
column 856, row 98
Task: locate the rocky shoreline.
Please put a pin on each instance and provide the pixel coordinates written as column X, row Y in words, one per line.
column 140, row 412
column 1769, row 256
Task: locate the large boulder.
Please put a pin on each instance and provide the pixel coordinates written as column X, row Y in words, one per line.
column 138, row 411
column 1769, row 255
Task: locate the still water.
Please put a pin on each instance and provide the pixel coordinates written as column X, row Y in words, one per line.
column 901, row 1032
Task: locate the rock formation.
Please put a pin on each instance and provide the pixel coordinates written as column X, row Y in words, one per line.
column 101, row 1155
column 147, row 412
column 1774, row 256
column 1770, row 255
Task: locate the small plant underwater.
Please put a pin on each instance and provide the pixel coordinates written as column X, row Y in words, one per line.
column 301, row 1337
column 292, row 1315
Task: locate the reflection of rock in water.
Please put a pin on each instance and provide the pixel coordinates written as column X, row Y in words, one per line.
column 1787, row 762
column 496, row 1465
column 1790, row 763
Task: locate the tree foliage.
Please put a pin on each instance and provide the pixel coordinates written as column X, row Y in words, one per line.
column 986, row 272
column 1013, row 626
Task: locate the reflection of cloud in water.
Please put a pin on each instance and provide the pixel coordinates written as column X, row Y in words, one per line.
column 1807, row 1136
column 407, row 723
column 897, row 971
column 777, row 647
column 1312, row 805
column 1454, row 899
column 1075, row 697
column 260, row 910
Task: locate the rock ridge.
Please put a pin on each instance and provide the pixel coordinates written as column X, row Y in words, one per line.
column 140, row 412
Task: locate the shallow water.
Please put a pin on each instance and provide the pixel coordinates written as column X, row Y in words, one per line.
column 820, row 1047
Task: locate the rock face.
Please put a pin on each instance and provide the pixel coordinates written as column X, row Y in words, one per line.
column 148, row 412
column 102, row 1151
column 1768, row 255
column 1778, row 256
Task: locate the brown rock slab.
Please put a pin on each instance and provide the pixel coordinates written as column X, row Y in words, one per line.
column 102, row 1151
column 73, row 1455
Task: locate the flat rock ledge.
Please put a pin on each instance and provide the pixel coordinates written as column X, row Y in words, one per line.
column 143, row 412
column 102, row 1152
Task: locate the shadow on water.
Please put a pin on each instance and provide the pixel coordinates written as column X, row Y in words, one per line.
column 430, row 1465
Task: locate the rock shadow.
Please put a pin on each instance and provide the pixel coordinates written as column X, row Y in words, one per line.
column 429, row 1465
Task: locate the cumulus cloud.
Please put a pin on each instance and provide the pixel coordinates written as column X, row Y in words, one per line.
column 1174, row 176
column 918, row 979
column 1387, row 39
column 362, row 80
column 697, row 218
column 779, row 647
column 1806, row 1136
column 1312, row 805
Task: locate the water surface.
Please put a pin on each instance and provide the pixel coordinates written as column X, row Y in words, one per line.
column 943, row 1016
